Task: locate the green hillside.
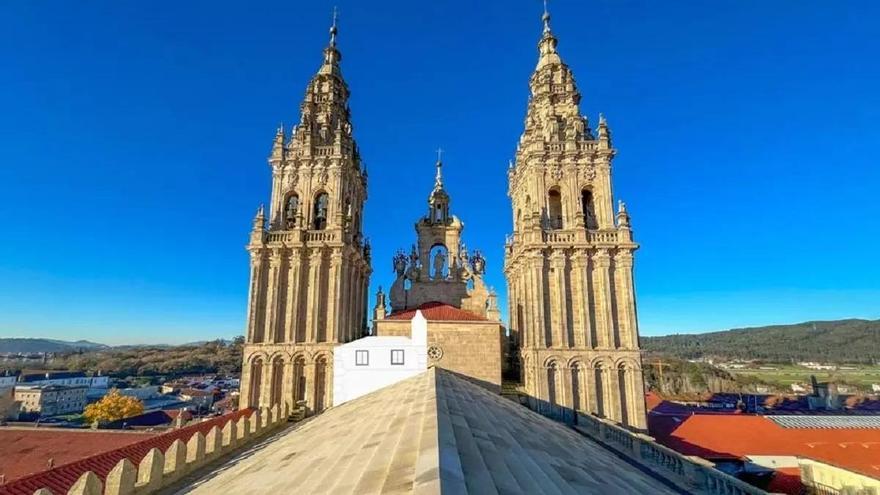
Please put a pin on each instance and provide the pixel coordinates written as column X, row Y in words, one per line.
column 840, row 341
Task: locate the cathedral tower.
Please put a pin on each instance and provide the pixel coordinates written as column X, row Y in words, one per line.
column 310, row 264
column 569, row 262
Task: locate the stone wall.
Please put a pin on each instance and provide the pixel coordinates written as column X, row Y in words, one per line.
column 470, row 348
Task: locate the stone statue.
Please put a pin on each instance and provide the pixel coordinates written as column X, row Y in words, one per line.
column 478, row 262
column 439, row 264
column 399, row 263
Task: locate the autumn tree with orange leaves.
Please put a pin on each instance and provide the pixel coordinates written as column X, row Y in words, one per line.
column 113, row 407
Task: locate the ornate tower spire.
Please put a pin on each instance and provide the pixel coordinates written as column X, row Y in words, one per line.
column 569, row 260
column 438, row 201
column 310, row 270
column 332, row 57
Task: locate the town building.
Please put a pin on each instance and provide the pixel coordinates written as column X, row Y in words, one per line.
column 202, row 399
column 51, row 400
column 569, row 261
column 65, row 378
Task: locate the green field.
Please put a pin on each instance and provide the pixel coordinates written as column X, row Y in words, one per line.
column 785, row 374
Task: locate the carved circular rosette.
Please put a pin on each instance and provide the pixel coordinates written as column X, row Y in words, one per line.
column 435, row 353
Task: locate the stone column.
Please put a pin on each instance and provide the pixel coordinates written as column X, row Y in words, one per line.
column 638, row 412
column 351, row 297
column 623, row 268
column 579, row 300
column 537, row 267
column 309, row 373
column 313, row 291
column 287, row 385
column 266, row 384
column 333, row 297
column 557, row 299
column 272, row 296
column 602, row 201
column 613, row 409
column 340, row 296
column 292, row 316
column 602, row 283
column 365, row 303
column 592, row 392
column 245, row 383
column 254, row 299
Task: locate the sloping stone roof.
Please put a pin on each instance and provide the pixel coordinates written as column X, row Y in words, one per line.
column 432, row 433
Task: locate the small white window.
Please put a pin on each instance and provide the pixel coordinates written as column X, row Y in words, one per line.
column 397, row 356
column 362, row 358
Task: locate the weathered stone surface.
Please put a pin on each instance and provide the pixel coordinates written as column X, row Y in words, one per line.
column 430, row 433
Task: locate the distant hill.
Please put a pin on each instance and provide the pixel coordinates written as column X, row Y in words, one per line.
column 840, row 341
column 26, row 345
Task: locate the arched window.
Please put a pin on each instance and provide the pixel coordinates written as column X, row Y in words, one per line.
column 291, row 210
column 322, row 203
column 555, row 209
column 589, row 209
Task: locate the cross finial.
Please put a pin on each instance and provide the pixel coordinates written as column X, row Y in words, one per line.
column 546, row 18
column 439, row 154
column 333, row 27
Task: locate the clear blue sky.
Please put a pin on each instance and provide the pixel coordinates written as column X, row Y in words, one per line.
column 134, row 136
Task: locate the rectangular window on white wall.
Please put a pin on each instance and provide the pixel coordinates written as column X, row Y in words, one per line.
column 362, row 358
column 397, row 356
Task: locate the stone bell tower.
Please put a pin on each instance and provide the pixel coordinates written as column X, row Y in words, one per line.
column 310, row 264
column 569, row 261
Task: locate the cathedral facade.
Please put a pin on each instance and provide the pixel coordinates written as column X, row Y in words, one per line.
column 569, row 261
column 310, row 264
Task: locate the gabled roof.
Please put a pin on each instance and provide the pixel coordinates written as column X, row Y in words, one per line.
column 61, row 478
column 437, row 311
column 432, row 433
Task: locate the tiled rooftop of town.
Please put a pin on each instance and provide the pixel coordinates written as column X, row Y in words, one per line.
column 99, row 456
column 431, row 432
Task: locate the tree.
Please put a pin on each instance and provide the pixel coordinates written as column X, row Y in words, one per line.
column 113, row 407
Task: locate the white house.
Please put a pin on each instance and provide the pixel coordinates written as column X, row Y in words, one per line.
column 370, row 363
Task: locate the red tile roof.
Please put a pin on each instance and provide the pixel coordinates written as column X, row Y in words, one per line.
column 27, row 451
column 734, row 436
column 61, row 478
column 437, row 311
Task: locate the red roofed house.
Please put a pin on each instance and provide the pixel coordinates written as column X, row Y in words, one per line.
column 767, row 449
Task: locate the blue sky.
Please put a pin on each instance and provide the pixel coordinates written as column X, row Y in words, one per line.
column 134, row 136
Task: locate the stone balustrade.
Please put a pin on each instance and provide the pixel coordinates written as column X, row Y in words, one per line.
column 300, row 236
column 696, row 474
column 568, row 236
column 159, row 469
